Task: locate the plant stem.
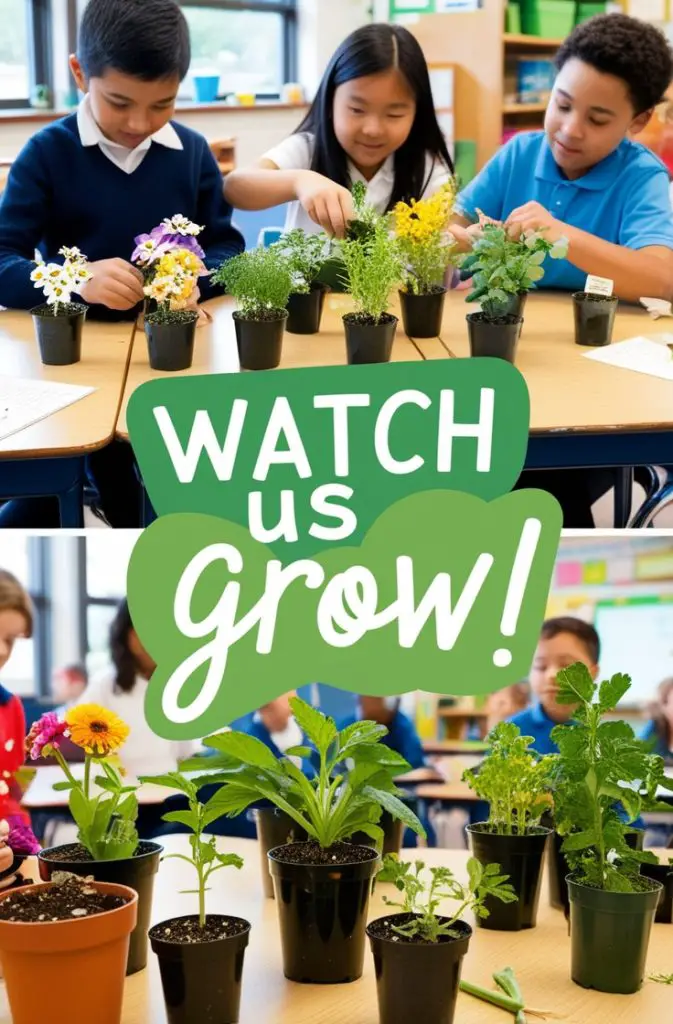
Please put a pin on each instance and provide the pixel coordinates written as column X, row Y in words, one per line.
column 495, row 998
column 87, row 776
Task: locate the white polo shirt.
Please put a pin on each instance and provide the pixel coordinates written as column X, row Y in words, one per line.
column 296, row 153
column 128, row 160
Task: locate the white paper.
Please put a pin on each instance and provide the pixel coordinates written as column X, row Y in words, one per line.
column 657, row 307
column 598, row 285
column 24, row 402
column 640, row 354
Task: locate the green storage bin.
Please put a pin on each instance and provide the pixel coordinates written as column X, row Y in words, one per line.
column 586, row 11
column 513, row 20
column 550, row 19
column 465, row 161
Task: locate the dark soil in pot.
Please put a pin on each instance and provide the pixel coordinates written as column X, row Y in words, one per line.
column 610, row 934
column 493, row 338
column 305, row 310
column 322, row 898
column 559, row 869
column 260, row 341
column 136, row 872
column 201, row 970
column 521, row 858
column 170, row 338
column 59, row 337
column 369, row 340
column 60, row 903
column 416, row 980
column 422, row 314
column 275, row 828
column 594, row 318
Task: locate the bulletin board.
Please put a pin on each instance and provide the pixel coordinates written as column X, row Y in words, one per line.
column 636, row 638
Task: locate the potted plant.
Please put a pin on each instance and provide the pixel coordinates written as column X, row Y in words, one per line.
column 172, row 262
column 307, row 254
column 59, row 321
column 427, row 248
column 274, row 828
column 515, row 783
column 418, row 953
column 601, row 764
column 322, row 885
column 261, row 281
column 503, row 271
column 200, row 955
column 65, row 944
column 594, row 318
column 104, row 810
column 373, row 262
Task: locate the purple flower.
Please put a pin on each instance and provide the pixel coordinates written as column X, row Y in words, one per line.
column 21, row 840
column 184, row 242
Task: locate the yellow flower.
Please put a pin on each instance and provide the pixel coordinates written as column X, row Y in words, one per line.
column 95, row 729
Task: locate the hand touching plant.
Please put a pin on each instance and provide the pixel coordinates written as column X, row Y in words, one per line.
column 332, row 806
column 601, row 764
column 205, row 859
column 105, row 818
column 422, row 898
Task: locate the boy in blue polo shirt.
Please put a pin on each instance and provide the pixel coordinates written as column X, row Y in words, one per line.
column 581, row 177
column 98, row 178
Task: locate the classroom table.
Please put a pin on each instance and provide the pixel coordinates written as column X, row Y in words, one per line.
column 51, row 452
column 583, row 413
column 41, row 795
column 452, row 747
column 540, row 957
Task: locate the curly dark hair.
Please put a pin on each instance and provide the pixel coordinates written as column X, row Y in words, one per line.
column 629, row 49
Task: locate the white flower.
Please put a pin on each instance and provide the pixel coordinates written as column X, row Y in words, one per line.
column 180, row 225
column 72, row 255
column 612, row 857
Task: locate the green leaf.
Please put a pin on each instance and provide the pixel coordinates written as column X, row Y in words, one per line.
column 612, row 690
column 247, row 749
column 62, row 787
column 475, row 873
column 575, row 685
column 302, row 752
column 395, row 807
column 535, row 273
column 229, row 859
column 81, row 810
column 171, row 780
column 187, row 818
column 128, row 808
column 103, row 782
column 230, row 800
column 319, row 728
column 579, row 841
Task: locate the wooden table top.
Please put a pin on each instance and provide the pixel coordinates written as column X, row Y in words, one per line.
column 568, row 392
column 40, row 792
column 454, row 746
column 446, row 791
column 87, row 424
column 540, row 957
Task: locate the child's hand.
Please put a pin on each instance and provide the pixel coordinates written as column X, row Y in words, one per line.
column 328, row 204
column 464, row 237
column 115, row 284
column 533, row 217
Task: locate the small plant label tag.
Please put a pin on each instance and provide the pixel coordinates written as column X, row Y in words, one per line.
column 599, row 286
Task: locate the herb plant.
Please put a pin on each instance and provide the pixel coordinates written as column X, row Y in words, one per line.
column 502, row 268
column 373, row 260
column 306, row 254
column 422, row 898
column 425, row 244
column 58, row 281
column 600, row 764
column 333, row 805
column 513, row 780
column 205, row 858
column 261, row 280
column 362, row 226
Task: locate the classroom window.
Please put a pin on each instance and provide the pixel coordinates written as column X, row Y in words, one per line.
column 105, row 564
column 251, row 46
column 25, row 50
column 26, row 672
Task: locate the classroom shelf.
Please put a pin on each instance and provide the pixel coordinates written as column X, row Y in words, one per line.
column 531, row 42
column 524, row 108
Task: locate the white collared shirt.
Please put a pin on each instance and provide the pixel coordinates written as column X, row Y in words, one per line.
column 295, row 153
column 128, row 160
column 290, row 736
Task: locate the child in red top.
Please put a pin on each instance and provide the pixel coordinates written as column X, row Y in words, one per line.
column 16, row 620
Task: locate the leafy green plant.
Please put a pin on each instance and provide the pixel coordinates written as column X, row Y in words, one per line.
column 372, row 257
column 260, row 280
column 601, row 764
column 422, row 898
column 662, row 979
column 205, row 858
column 513, row 780
column 306, row 255
column 503, row 268
column 333, row 805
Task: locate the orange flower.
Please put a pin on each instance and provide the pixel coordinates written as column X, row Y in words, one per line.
column 98, row 731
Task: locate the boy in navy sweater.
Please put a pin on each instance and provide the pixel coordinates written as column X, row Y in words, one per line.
column 98, row 178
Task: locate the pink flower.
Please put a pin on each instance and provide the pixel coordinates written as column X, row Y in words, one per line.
column 46, row 733
column 21, row 840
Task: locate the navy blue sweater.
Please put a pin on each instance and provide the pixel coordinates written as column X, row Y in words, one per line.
column 60, row 192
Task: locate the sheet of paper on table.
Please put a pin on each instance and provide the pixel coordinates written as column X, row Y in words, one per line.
column 644, row 355
column 24, row 402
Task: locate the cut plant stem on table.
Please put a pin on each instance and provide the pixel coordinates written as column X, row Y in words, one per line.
column 509, row 997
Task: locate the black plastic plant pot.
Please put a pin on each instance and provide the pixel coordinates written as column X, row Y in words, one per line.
column 494, row 339
column 516, row 304
column 367, row 341
column 170, row 343
column 416, row 981
column 609, row 936
column 594, row 318
column 274, row 828
column 322, row 911
column 305, row 310
column 59, row 337
column 137, row 872
column 521, row 858
column 558, row 868
column 260, row 342
column 662, row 873
column 393, row 830
column 201, row 981
column 422, row 314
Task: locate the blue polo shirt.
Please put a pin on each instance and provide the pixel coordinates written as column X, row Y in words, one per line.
column 534, row 721
column 624, row 199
